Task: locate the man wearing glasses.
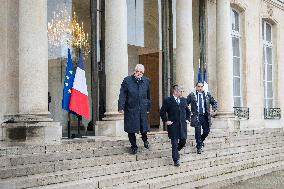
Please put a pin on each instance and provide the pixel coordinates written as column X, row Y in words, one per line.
column 201, row 113
column 135, row 102
column 175, row 114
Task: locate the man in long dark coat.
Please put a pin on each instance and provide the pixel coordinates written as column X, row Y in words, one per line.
column 201, row 110
column 175, row 114
column 135, row 102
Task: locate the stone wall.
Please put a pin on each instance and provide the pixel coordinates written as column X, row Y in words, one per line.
column 252, row 13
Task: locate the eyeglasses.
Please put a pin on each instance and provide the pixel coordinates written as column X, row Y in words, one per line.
column 181, row 91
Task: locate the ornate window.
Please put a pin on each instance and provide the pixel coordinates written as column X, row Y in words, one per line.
column 237, row 61
column 267, row 64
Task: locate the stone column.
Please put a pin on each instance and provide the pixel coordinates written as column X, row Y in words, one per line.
column 33, row 57
column 32, row 122
column 184, row 45
column 224, row 64
column 116, row 65
column 224, row 57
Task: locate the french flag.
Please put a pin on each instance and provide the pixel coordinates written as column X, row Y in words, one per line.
column 79, row 101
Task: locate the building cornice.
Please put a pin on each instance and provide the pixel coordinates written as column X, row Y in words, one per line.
column 277, row 3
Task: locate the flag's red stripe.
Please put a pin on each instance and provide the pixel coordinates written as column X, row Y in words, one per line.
column 79, row 103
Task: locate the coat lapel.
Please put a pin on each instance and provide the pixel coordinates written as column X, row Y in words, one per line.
column 174, row 100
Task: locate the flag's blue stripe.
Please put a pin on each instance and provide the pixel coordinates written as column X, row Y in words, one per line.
column 81, row 60
column 68, row 83
column 205, row 76
column 199, row 75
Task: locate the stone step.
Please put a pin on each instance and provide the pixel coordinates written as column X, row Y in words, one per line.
column 102, row 142
column 154, row 173
column 167, row 176
column 231, row 178
column 45, row 167
column 168, row 181
column 211, row 144
column 65, row 176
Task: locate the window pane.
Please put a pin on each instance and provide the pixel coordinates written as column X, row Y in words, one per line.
column 236, row 62
column 269, row 90
column 232, row 19
column 236, row 49
column 237, row 23
column 237, row 86
column 269, row 103
column 269, row 73
column 264, row 61
column 235, row 20
column 269, row 55
column 263, row 30
column 264, row 87
column 237, row 102
column 268, row 32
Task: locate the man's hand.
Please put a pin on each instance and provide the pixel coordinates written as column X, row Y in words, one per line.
column 169, row 122
column 121, row 111
column 213, row 113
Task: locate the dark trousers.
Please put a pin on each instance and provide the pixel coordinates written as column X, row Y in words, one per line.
column 132, row 138
column 177, row 145
column 202, row 123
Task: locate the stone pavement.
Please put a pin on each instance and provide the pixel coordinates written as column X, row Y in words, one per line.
column 273, row 180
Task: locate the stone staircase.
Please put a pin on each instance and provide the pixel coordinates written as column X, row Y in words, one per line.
column 97, row 162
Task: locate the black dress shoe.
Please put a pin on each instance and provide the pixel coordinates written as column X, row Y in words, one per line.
column 146, row 144
column 176, row 163
column 198, row 151
column 133, row 150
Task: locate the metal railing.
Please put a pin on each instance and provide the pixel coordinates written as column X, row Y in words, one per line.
column 241, row 112
column 272, row 113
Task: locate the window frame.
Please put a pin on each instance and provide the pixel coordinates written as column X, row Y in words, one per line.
column 267, row 44
column 237, row 34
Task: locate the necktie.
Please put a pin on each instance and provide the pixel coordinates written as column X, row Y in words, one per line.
column 200, row 109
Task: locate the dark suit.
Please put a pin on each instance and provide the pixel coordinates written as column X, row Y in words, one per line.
column 135, row 101
column 199, row 120
column 178, row 114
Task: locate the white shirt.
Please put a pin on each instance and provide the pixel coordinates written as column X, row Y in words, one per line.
column 177, row 99
column 202, row 101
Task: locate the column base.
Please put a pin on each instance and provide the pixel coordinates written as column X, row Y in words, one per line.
column 42, row 117
column 30, row 128
column 225, row 120
column 112, row 125
column 31, row 132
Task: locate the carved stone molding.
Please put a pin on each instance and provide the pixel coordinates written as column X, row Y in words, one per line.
column 212, row 1
column 269, row 9
column 239, row 5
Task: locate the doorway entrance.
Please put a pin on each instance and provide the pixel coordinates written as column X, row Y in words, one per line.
column 151, row 64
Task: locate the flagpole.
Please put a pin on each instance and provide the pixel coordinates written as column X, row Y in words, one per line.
column 94, row 65
column 69, row 126
column 79, row 119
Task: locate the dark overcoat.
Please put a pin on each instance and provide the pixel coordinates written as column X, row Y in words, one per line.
column 135, row 101
column 178, row 114
column 192, row 100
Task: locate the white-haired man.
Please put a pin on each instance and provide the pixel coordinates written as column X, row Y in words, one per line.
column 135, row 102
